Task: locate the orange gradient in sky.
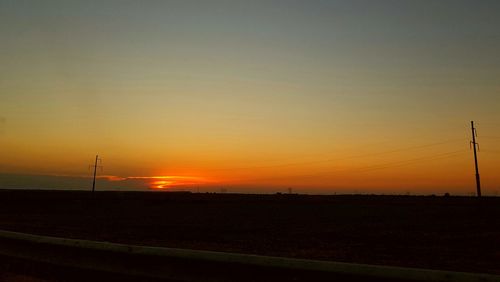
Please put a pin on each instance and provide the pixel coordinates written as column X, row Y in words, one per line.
column 262, row 96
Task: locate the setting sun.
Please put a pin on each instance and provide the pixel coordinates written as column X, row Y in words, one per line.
column 160, row 184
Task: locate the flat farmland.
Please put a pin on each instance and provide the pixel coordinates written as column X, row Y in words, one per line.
column 450, row 233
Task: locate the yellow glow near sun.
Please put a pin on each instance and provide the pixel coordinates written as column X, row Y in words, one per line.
column 161, row 184
column 167, row 181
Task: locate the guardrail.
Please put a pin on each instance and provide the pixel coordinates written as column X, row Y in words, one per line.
column 195, row 265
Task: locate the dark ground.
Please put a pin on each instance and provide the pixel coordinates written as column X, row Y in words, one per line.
column 451, row 233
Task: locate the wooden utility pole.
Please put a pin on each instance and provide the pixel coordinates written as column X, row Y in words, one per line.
column 474, row 145
column 95, row 171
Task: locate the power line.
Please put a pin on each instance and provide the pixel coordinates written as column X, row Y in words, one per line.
column 490, row 137
column 344, row 158
column 373, row 167
column 490, row 151
column 412, row 161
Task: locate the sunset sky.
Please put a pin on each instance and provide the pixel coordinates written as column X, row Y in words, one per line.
column 250, row 96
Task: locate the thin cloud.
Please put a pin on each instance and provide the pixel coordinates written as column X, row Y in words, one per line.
column 159, row 182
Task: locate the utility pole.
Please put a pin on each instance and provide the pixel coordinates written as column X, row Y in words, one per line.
column 474, row 145
column 95, row 171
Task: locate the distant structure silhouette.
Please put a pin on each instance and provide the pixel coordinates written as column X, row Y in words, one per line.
column 474, row 145
column 97, row 159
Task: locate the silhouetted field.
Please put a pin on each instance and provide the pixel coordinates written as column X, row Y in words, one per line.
column 453, row 233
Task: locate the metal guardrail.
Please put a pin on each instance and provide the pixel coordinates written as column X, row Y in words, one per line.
column 196, row 265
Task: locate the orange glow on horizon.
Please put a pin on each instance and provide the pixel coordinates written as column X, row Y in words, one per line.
column 160, row 181
column 164, row 181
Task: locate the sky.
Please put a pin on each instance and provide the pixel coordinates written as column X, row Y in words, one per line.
column 250, row 96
